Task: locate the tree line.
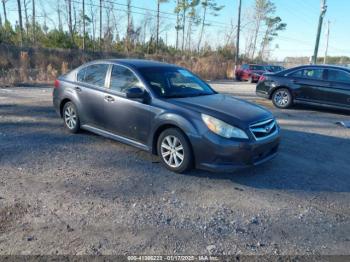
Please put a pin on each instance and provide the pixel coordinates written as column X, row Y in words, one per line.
column 110, row 25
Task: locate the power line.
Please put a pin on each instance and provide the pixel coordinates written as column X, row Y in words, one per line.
column 139, row 13
column 156, row 11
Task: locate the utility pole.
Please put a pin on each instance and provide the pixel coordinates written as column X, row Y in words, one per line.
column 83, row 24
column 33, row 21
column 238, row 32
column 157, row 33
column 100, row 25
column 4, row 9
column 327, row 41
column 319, row 29
column 20, row 21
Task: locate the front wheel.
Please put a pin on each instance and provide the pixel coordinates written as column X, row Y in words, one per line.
column 174, row 150
column 282, row 98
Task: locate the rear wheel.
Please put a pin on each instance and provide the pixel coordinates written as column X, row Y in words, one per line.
column 71, row 118
column 282, row 98
column 174, row 150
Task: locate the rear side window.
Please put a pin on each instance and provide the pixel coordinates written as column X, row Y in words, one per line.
column 122, row 79
column 311, row 73
column 93, row 75
column 339, row 76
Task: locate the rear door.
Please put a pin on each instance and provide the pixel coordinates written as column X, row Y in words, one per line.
column 90, row 90
column 310, row 84
column 339, row 91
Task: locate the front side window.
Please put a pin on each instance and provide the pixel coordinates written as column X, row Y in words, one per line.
column 81, row 75
column 171, row 82
column 339, row 76
column 122, row 79
column 316, row 74
column 93, row 74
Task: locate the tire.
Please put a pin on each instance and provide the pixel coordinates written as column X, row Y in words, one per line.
column 251, row 80
column 282, row 98
column 168, row 141
column 70, row 117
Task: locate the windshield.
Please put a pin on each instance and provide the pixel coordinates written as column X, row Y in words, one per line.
column 257, row 68
column 275, row 68
column 171, row 82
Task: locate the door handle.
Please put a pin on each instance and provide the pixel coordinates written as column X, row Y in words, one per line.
column 78, row 89
column 109, row 99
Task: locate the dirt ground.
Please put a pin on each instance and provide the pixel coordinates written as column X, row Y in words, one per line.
column 85, row 194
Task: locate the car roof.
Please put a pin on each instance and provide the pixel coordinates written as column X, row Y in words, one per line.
column 137, row 63
column 324, row 67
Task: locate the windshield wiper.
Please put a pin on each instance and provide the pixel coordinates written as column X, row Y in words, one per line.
column 188, row 95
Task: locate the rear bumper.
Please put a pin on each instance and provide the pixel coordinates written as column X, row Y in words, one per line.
column 56, row 105
column 224, row 155
column 255, row 78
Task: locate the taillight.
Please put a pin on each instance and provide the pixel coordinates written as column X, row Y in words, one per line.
column 57, row 83
column 262, row 78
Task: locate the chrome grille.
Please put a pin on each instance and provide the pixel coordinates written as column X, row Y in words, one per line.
column 264, row 129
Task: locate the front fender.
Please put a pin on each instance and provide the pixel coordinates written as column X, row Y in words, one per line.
column 172, row 119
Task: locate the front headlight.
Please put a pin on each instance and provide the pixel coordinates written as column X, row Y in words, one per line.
column 223, row 129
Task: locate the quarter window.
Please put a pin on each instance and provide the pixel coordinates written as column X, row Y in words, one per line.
column 122, row 79
column 338, row 76
column 93, row 74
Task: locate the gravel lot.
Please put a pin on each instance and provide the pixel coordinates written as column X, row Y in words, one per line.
column 85, row 194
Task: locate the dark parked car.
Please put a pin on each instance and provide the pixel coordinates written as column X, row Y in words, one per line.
column 168, row 111
column 311, row 84
column 250, row 73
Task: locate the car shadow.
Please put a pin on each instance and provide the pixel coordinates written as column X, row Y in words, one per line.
column 321, row 109
column 306, row 162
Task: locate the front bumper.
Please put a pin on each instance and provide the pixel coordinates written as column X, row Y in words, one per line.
column 263, row 94
column 214, row 153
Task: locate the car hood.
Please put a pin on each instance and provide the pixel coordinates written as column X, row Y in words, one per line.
column 226, row 108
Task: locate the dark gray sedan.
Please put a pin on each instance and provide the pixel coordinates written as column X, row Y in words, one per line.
column 168, row 111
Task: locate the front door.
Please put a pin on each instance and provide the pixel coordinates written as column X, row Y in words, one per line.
column 338, row 93
column 310, row 84
column 126, row 117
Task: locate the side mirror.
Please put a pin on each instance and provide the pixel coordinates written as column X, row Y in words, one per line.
column 135, row 93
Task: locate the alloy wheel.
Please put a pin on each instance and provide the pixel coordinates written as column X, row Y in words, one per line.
column 70, row 117
column 281, row 98
column 172, row 151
